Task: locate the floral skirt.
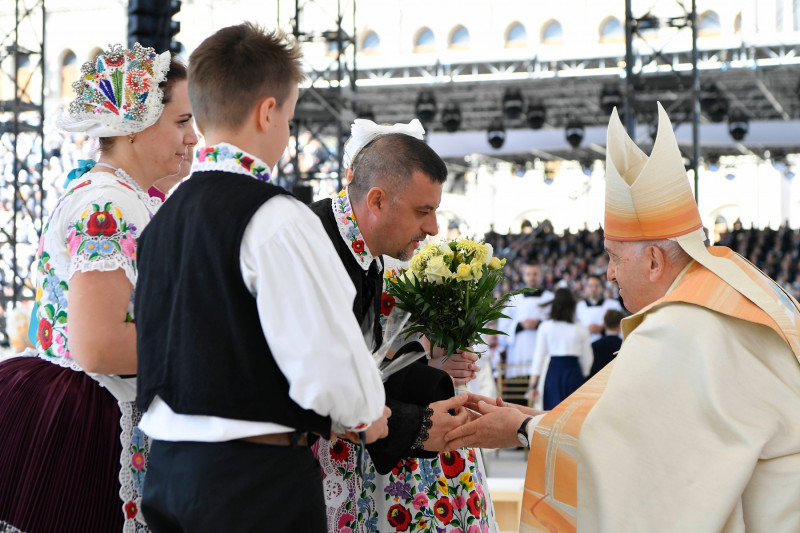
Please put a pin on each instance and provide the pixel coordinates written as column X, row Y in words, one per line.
column 59, row 450
column 441, row 494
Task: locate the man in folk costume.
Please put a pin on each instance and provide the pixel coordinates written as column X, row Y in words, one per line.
column 693, row 427
column 409, row 479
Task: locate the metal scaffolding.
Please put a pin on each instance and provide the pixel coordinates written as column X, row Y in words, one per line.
column 21, row 149
column 637, row 82
column 323, row 113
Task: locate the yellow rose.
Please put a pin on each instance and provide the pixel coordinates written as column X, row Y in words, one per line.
column 441, row 484
column 467, row 480
column 437, row 271
column 495, row 263
column 477, row 268
column 464, row 272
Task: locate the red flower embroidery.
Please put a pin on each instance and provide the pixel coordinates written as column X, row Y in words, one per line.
column 247, row 162
column 45, row 333
column 443, row 510
column 475, row 504
column 137, row 461
column 84, row 184
column 101, row 223
column 387, row 304
column 399, row 518
column 115, row 61
column 138, row 80
column 452, row 464
column 409, row 463
column 131, row 509
column 340, row 451
column 358, row 246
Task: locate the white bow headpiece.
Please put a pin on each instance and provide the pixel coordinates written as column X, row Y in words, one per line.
column 364, row 131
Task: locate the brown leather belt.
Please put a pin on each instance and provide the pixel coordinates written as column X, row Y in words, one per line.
column 279, row 439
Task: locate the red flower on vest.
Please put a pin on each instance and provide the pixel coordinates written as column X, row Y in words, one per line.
column 399, row 517
column 358, row 246
column 443, row 510
column 452, row 464
column 45, row 333
column 131, row 509
column 101, row 223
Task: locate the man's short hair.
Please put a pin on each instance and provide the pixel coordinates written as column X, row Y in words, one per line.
column 390, row 160
column 238, row 66
column 612, row 319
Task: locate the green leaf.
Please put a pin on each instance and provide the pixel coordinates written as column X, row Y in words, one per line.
column 61, row 317
column 49, row 311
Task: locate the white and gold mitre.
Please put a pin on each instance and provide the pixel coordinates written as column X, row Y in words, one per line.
column 647, row 198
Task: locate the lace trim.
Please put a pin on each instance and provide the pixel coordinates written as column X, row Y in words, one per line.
column 113, row 261
column 5, row 527
column 228, row 158
column 133, row 467
column 427, row 424
column 348, row 229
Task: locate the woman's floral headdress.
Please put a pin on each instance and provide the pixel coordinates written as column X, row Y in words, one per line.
column 118, row 92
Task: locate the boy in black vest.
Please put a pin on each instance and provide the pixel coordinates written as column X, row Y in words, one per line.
column 232, row 272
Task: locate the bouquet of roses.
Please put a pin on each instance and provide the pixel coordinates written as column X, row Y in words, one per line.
column 448, row 290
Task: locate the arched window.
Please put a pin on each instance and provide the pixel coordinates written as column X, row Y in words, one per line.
column 737, row 24
column 796, row 14
column 708, row 25
column 516, row 36
column 459, row 39
column 371, row 43
column 612, row 31
column 424, row 42
column 552, row 33
column 69, row 74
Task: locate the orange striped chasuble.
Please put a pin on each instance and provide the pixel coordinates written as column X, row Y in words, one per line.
column 551, row 485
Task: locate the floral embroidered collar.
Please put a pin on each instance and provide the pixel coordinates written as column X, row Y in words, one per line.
column 229, row 158
column 348, row 229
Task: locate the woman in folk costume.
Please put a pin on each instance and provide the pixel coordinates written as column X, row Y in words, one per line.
column 424, row 491
column 693, row 427
column 71, row 457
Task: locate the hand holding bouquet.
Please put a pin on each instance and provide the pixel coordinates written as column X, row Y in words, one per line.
column 448, row 290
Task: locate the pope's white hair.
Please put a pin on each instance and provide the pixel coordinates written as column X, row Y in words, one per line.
column 672, row 251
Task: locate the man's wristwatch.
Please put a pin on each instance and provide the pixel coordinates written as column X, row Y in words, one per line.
column 522, row 433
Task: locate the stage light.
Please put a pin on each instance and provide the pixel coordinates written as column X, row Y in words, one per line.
column 496, row 134
column 536, row 115
column 574, row 132
column 712, row 162
column 513, row 103
column 451, row 117
column 779, row 161
column 610, row 97
column 738, row 125
column 426, row 106
column 365, row 111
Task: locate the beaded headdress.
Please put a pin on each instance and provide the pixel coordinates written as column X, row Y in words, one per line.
column 364, row 131
column 118, row 92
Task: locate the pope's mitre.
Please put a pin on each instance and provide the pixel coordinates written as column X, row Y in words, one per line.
column 647, row 198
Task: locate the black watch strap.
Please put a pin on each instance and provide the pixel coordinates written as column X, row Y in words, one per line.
column 522, row 433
